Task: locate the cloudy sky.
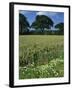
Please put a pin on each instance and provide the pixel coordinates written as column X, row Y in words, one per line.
column 57, row 17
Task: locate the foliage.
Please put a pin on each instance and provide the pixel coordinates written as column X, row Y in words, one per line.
column 60, row 26
column 42, row 22
column 48, row 32
column 41, row 26
column 23, row 24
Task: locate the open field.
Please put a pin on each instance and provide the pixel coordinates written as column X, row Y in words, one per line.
column 41, row 56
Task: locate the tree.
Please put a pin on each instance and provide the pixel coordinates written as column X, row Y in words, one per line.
column 23, row 24
column 60, row 26
column 42, row 22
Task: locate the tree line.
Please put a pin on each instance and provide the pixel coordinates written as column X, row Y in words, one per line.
column 41, row 25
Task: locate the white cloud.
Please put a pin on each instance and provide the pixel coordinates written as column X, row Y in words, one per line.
column 23, row 12
column 41, row 13
column 46, row 13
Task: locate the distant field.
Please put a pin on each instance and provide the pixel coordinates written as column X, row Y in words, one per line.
column 41, row 56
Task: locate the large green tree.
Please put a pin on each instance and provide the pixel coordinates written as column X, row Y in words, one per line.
column 23, row 24
column 60, row 26
column 42, row 22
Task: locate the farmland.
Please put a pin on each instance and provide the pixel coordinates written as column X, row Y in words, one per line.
column 41, row 56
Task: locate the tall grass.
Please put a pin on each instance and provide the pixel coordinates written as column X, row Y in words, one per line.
column 39, row 50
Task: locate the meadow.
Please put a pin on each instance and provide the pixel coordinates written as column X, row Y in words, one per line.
column 41, row 56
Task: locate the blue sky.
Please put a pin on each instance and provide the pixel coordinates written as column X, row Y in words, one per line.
column 57, row 17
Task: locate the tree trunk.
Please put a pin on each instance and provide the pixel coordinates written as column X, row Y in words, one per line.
column 42, row 29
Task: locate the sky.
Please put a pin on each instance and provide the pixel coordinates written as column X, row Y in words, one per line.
column 57, row 17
